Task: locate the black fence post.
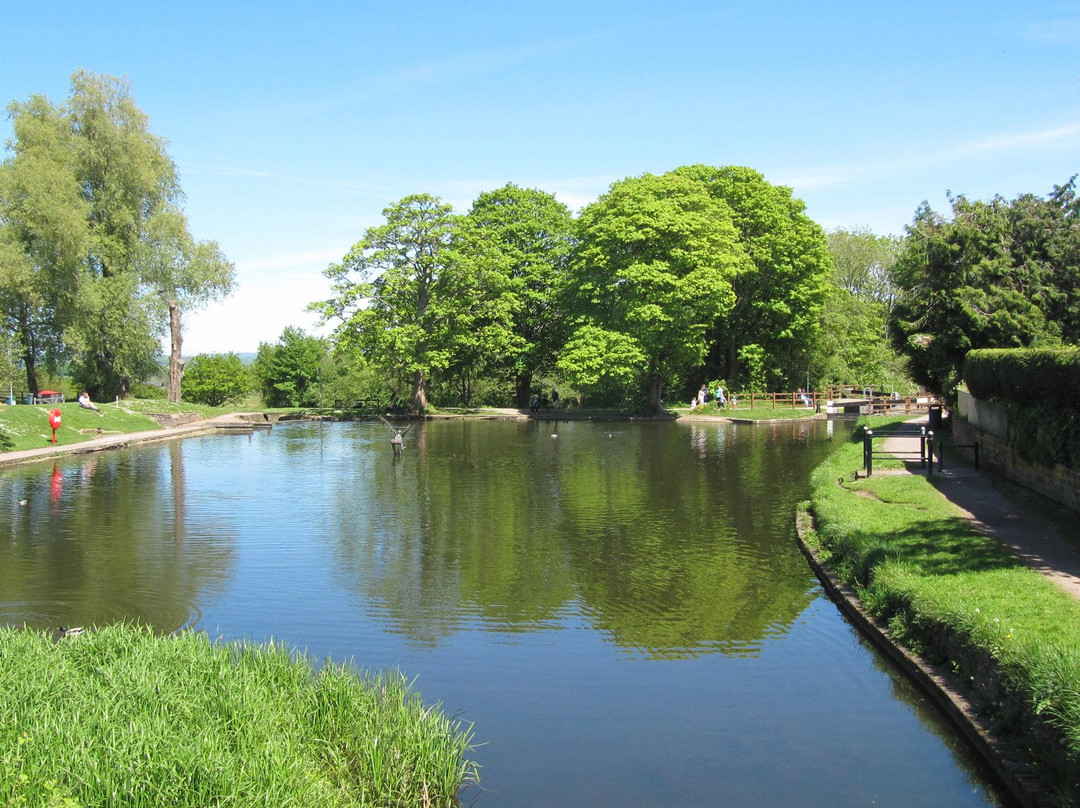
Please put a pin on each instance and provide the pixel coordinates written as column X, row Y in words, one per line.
column 868, row 451
column 930, row 452
column 975, row 447
column 922, row 448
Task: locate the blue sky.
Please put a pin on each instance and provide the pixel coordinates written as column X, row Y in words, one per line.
column 294, row 124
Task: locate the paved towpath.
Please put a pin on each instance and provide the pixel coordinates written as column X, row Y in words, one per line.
column 1046, row 546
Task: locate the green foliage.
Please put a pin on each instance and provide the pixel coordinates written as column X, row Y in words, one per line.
column 997, row 275
column 523, row 237
column 752, row 358
column 778, row 298
column 863, row 264
column 411, row 303
column 601, row 362
column 851, row 347
column 1051, row 376
column 1040, row 389
column 215, row 379
column 85, row 275
column 652, row 271
column 118, row 716
column 347, row 377
column 146, row 391
column 288, row 372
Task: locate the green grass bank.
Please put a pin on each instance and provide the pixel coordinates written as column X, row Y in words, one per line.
column 26, row 426
column 961, row 601
column 119, row 716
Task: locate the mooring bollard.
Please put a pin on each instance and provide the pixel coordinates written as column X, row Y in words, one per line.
column 922, row 448
column 930, row 452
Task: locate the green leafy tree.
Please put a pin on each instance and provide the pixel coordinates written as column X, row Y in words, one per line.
column 127, row 178
column 84, row 203
column 399, row 296
column 288, row 371
column 863, row 264
column 652, row 272
column 182, row 275
column 778, row 301
column 524, row 236
column 216, row 379
column 853, row 345
column 998, row 274
column 44, row 234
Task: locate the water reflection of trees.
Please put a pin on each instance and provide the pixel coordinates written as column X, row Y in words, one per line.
column 668, row 549
column 102, row 539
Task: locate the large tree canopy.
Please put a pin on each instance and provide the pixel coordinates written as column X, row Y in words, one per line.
column 182, row 275
column 524, row 236
column 998, row 274
column 652, row 272
column 78, row 201
column 403, row 308
column 777, row 302
column 852, row 345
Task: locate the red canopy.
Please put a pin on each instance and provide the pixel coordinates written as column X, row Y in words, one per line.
column 48, row 392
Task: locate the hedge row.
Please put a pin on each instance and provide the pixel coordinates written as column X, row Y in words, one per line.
column 1040, row 389
column 1025, row 376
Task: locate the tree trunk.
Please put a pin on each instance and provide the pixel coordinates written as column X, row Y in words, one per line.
column 176, row 368
column 522, row 390
column 29, row 353
column 656, row 389
column 419, row 396
column 31, row 372
column 732, row 365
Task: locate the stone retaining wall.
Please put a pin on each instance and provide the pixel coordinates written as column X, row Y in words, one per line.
column 988, row 423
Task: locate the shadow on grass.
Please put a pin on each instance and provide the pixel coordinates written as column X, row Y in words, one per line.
column 948, row 547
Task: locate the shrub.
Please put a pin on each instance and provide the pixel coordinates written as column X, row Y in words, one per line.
column 215, row 379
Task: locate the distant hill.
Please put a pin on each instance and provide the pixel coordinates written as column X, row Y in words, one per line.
column 246, row 358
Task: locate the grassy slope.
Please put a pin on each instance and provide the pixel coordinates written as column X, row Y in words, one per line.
column 26, row 426
column 960, row 599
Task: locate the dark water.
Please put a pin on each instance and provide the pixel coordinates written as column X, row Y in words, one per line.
column 619, row 609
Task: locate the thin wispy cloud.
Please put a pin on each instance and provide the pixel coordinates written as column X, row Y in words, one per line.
column 300, row 261
column 876, row 168
column 465, row 64
column 1060, row 30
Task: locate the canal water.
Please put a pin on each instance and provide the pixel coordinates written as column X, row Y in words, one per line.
column 620, row 610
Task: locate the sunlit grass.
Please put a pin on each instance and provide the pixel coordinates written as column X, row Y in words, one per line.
column 122, row 717
column 960, row 598
column 755, row 414
column 26, row 426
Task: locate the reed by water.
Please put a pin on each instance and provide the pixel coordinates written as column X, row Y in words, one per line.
column 119, row 716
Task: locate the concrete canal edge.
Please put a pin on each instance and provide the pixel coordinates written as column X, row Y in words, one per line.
column 1016, row 775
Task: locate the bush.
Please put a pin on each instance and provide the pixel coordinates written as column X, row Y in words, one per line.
column 215, row 379
column 151, row 392
column 1040, row 389
column 1025, row 376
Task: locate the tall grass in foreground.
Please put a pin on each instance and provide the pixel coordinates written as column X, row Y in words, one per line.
column 961, row 599
column 121, row 717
